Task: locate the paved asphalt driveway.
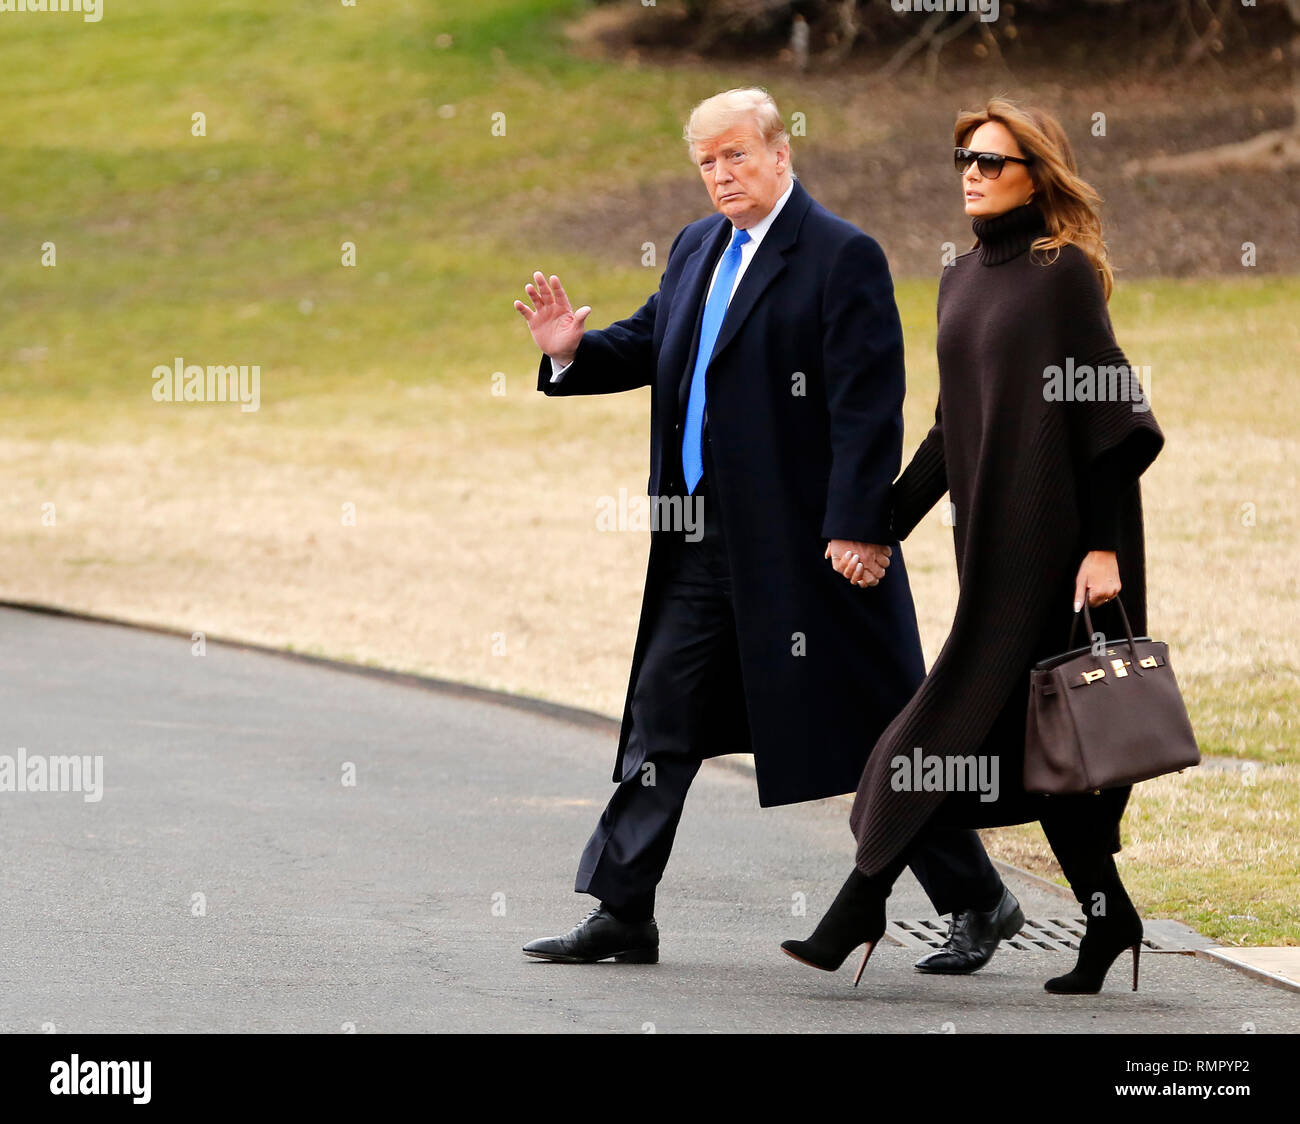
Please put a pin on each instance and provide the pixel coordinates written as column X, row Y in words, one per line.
column 230, row 880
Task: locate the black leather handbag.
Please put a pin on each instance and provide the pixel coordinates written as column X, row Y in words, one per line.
column 1106, row 718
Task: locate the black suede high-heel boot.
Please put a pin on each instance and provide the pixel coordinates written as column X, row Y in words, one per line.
column 856, row 915
column 1109, row 932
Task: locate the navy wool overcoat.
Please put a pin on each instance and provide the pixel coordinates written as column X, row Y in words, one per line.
column 805, row 391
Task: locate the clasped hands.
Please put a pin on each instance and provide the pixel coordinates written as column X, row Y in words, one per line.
column 862, row 563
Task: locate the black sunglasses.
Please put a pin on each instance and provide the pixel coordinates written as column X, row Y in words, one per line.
column 990, row 163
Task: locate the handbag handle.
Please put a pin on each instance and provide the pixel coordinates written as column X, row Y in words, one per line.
column 1087, row 620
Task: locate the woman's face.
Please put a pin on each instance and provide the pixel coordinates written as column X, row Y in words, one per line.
column 984, row 197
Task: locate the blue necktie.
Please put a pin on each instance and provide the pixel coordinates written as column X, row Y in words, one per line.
column 715, row 308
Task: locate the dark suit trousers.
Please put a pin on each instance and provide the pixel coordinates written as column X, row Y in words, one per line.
column 691, row 649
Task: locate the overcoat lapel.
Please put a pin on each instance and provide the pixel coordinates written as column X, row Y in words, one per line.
column 767, row 266
column 681, row 339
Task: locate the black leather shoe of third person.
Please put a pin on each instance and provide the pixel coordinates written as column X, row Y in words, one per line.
column 973, row 937
column 598, row 936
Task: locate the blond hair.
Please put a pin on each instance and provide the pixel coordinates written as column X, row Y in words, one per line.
column 724, row 111
column 1070, row 205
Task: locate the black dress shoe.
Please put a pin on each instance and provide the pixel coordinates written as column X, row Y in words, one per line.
column 973, row 937
column 598, row 936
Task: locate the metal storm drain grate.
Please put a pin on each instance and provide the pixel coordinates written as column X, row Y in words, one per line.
column 1053, row 935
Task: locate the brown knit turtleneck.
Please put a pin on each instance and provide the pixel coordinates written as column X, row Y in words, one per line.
column 1008, row 235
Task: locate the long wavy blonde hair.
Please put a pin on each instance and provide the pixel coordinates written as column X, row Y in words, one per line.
column 1070, row 205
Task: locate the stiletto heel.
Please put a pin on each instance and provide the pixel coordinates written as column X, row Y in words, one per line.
column 866, row 955
column 1108, row 933
column 856, row 915
column 1101, row 946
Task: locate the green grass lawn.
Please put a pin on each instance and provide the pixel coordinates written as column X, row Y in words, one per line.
column 375, row 125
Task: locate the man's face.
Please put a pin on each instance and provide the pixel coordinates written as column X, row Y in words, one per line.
column 745, row 178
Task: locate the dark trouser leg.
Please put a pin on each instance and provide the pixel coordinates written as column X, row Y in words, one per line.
column 626, row 855
column 691, row 649
column 954, row 870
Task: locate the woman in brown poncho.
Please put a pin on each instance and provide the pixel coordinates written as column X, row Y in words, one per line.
column 1041, row 462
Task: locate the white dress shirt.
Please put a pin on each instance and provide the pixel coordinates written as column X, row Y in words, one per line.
column 747, row 252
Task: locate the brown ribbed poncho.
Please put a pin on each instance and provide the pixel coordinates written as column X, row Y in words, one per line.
column 1019, row 469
